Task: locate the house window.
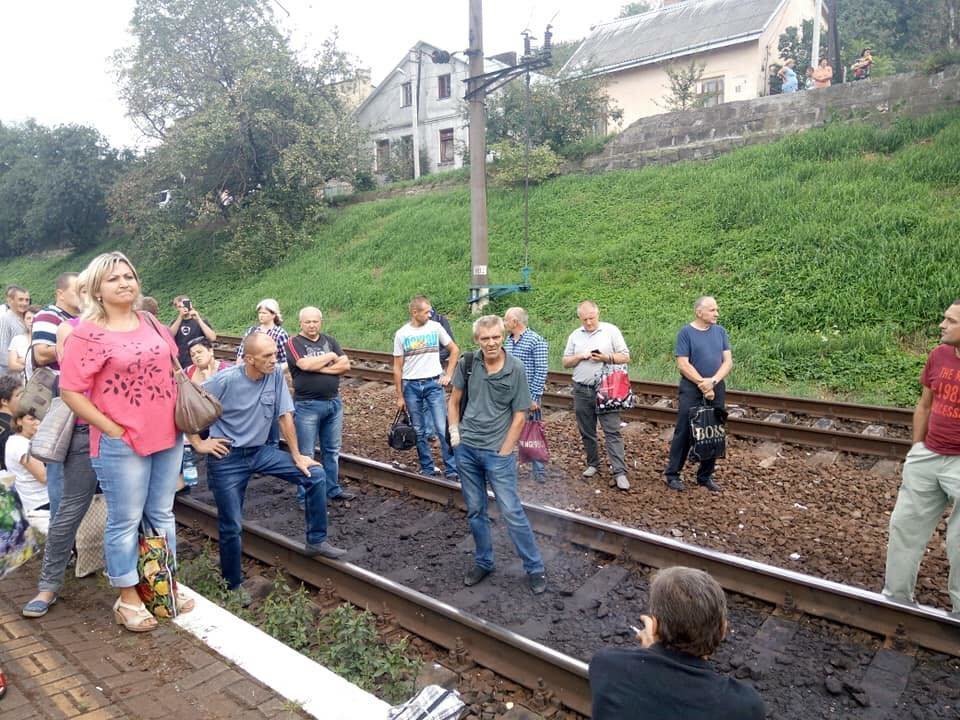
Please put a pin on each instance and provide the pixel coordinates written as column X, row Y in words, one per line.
column 446, row 146
column 406, row 95
column 711, row 91
column 443, row 87
column 383, row 155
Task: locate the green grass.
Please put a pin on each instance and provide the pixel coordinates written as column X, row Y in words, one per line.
column 832, row 254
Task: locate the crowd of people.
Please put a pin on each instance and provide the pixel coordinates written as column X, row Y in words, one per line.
column 819, row 76
column 116, row 366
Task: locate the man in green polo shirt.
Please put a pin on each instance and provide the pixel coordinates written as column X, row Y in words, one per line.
column 484, row 439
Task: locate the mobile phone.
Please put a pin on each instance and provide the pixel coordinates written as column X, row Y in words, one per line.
column 187, row 304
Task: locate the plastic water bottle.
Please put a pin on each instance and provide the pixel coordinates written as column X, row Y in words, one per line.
column 189, row 467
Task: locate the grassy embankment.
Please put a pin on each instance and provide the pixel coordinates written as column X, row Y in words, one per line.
column 832, row 254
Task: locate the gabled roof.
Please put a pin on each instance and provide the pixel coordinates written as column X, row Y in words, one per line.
column 489, row 65
column 673, row 31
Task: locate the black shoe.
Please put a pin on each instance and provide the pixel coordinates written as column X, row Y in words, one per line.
column 538, row 582
column 325, row 549
column 709, row 484
column 475, row 575
column 343, row 497
column 675, row 483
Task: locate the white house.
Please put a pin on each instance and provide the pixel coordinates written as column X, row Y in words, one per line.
column 419, row 107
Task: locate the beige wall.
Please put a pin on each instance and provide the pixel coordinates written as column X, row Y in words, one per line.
column 642, row 91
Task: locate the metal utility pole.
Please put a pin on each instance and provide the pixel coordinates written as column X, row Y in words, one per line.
column 478, row 165
column 817, row 18
column 833, row 41
column 416, row 116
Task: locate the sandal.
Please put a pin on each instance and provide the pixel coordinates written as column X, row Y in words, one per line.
column 184, row 603
column 139, row 621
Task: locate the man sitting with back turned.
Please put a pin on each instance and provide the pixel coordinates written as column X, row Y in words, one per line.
column 254, row 394
column 669, row 678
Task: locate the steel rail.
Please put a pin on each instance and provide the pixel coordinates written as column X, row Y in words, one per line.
column 513, row 656
column 895, row 448
column 854, row 607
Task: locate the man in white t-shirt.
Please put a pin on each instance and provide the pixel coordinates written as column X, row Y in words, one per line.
column 420, row 379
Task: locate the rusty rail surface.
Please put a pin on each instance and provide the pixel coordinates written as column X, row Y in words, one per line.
column 895, row 448
column 513, row 656
column 925, row 626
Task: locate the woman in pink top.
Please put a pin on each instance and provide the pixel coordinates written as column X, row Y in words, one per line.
column 117, row 374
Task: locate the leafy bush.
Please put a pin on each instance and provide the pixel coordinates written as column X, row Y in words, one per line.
column 289, row 615
column 939, row 61
column 584, row 148
column 511, row 167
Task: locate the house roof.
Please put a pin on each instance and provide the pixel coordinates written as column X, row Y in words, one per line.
column 670, row 32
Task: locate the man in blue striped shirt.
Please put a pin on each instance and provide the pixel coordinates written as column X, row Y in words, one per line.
column 530, row 349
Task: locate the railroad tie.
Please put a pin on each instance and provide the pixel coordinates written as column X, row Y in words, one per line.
column 884, row 682
column 771, row 642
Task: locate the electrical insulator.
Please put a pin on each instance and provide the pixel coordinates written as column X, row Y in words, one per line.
column 440, row 57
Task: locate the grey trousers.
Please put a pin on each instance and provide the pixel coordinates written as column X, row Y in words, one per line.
column 585, row 408
column 79, row 485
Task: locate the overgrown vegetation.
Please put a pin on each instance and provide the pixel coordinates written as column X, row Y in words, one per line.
column 831, row 253
column 345, row 639
column 514, row 165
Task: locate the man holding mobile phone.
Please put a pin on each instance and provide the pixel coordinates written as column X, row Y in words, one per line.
column 590, row 347
column 187, row 326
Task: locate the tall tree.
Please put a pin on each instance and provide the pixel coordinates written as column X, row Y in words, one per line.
column 684, row 92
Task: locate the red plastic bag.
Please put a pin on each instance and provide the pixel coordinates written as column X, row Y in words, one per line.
column 533, row 443
column 614, row 391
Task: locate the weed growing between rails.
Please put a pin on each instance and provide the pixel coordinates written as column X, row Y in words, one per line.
column 345, row 640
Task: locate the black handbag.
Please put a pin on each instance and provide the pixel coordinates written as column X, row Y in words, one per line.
column 402, row 436
column 708, row 433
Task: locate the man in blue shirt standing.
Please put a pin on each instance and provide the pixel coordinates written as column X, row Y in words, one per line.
column 532, row 350
column 704, row 360
column 254, row 394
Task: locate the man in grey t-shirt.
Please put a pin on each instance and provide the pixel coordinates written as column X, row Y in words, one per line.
column 484, row 439
column 11, row 322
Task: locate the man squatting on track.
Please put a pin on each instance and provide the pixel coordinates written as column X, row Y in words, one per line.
column 484, row 439
column 669, row 677
column 931, row 471
column 254, row 395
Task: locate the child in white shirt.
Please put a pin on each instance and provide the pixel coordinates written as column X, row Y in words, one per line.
column 31, row 474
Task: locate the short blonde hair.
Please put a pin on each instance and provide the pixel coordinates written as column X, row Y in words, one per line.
column 94, row 274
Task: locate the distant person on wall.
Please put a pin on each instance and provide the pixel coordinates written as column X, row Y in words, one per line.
column 863, row 65
column 187, row 327
column 420, row 379
column 269, row 322
column 589, row 348
column 788, row 76
column 484, row 439
column 931, row 471
column 704, row 359
column 316, row 363
column 823, row 75
column 11, row 323
column 254, row 396
column 669, row 676
column 808, row 81
column 532, row 350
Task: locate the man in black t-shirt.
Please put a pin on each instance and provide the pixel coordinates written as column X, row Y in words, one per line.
column 669, row 678
column 10, row 389
column 187, row 327
column 316, row 361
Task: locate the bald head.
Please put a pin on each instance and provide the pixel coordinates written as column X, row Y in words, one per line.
column 259, row 355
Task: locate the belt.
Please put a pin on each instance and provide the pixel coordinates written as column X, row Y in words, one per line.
column 585, row 385
column 435, row 377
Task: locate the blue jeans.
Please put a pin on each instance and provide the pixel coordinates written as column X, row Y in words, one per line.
column 321, row 421
column 54, row 487
column 477, row 468
column 228, row 477
column 426, row 399
column 136, row 488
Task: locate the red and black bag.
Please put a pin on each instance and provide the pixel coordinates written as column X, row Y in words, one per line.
column 614, row 391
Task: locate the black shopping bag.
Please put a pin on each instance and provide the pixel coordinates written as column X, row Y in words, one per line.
column 708, row 433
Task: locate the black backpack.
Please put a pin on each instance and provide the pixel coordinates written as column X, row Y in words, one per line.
column 402, row 436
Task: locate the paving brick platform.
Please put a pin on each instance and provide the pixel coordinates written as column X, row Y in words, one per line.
column 76, row 663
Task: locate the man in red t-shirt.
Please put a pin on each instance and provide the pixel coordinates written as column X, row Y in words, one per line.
column 931, row 472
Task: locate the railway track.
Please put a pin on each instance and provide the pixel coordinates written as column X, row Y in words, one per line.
column 871, row 429
column 537, row 666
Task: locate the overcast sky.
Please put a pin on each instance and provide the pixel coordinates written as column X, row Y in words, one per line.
column 54, row 54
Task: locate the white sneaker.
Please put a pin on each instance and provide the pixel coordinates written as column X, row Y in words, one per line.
column 622, row 482
column 589, row 472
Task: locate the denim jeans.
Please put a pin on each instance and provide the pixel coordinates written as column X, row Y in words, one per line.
column 321, row 421
column 54, row 487
column 80, row 484
column 689, row 396
column 477, row 468
column 228, row 478
column 135, row 488
column 427, row 399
